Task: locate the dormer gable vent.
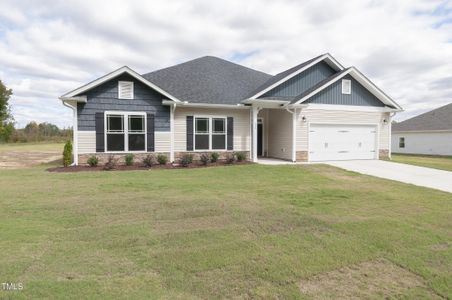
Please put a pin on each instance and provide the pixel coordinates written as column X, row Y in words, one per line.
column 125, row 89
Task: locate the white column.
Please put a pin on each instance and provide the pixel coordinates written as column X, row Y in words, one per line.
column 294, row 135
column 255, row 111
column 172, row 109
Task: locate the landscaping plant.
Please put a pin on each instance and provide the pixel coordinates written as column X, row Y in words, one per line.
column 148, row 160
column 162, row 159
column 93, row 161
column 230, row 158
column 129, row 159
column 214, row 156
column 241, row 156
column 67, row 153
column 111, row 163
column 186, row 160
column 204, row 159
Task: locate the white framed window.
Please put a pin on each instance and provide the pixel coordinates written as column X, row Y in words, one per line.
column 401, row 142
column 346, row 86
column 210, row 133
column 125, row 90
column 125, row 132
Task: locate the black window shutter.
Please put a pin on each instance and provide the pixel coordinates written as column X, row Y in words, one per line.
column 99, row 119
column 189, row 133
column 150, row 132
column 230, row 138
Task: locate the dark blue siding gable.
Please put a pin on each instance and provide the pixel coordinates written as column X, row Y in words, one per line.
column 105, row 97
column 333, row 95
column 302, row 82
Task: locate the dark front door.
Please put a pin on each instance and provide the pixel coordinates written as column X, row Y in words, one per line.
column 259, row 139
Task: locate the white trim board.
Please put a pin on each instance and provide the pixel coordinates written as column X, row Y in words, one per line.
column 112, row 75
column 315, row 106
column 330, row 60
column 362, row 80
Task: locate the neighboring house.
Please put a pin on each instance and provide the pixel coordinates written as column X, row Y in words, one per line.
column 315, row 111
column 429, row 133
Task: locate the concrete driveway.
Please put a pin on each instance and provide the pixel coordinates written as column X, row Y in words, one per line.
column 432, row 178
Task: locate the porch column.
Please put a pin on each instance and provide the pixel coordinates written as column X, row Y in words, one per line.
column 254, row 112
column 294, row 135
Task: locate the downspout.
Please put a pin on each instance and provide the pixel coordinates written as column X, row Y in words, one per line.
column 172, row 110
column 74, row 132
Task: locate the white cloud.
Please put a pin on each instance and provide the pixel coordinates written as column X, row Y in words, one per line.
column 48, row 47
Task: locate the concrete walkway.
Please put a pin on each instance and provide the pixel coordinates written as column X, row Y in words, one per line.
column 432, row 178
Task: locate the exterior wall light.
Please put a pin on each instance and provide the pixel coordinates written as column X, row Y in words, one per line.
column 303, row 119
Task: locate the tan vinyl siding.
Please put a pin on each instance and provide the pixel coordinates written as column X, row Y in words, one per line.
column 241, row 125
column 342, row 117
column 162, row 141
column 280, row 134
column 86, row 142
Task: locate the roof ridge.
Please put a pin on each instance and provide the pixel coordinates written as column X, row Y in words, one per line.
column 426, row 113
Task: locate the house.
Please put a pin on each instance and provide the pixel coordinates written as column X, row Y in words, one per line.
column 429, row 133
column 315, row 111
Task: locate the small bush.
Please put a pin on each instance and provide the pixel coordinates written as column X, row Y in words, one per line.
column 149, row 160
column 162, row 159
column 241, row 156
column 214, row 156
column 230, row 158
column 111, row 163
column 186, row 160
column 67, row 154
column 204, row 159
column 93, row 161
column 129, row 159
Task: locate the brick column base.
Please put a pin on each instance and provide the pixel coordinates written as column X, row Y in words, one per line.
column 302, row 156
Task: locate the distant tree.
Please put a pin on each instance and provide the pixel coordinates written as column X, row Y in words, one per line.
column 6, row 119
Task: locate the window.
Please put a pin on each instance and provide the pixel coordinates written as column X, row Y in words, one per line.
column 125, row 90
column 402, row 142
column 346, row 86
column 126, row 132
column 210, row 133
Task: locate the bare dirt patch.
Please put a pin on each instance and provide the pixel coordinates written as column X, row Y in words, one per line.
column 25, row 159
column 378, row 279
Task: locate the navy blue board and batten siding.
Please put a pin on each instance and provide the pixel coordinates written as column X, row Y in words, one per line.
column 105, row 98
column 302, row 82
column 359, row 96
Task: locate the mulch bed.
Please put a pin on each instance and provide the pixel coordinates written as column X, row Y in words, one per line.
column 73, row 169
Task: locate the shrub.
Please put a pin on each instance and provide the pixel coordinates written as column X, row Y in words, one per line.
column 129, row 159
column 241, row 156
column 230, row 158
column 162, row 159
column 111, row 163
column 67, row 153
column 204, row 159
column 148, row 161
column 214, row 156
column 93, row 161
column 186, row 160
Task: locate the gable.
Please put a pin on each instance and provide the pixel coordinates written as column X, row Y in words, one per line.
column 302, row 82
column 104, row 97
column 359, row 96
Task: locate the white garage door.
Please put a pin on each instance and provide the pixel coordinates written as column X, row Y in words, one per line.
column 342, row 142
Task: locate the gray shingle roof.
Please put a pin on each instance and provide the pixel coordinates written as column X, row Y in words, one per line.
column 281, row 75
column 437, row 119
column 208, row 79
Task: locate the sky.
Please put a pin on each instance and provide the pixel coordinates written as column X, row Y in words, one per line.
column 48, row 48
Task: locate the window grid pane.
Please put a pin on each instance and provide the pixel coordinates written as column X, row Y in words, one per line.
column 115, row 123
column 219, row 125
column 202, row 126
column 136, row 124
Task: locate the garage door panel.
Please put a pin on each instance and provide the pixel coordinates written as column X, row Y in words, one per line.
column 341, row 142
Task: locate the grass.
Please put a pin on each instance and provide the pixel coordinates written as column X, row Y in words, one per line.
column 35, row 147
column 249, row 231
column 430, row 161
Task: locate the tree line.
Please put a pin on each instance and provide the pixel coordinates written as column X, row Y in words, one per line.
column 33, row 131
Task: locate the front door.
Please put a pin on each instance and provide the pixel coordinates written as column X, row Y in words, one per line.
column 259, row 139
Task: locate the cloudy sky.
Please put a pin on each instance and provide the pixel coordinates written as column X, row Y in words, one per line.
column 50, row 47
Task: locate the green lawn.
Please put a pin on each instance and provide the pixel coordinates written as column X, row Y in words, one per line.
column 430, row 161
column 249, row 231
